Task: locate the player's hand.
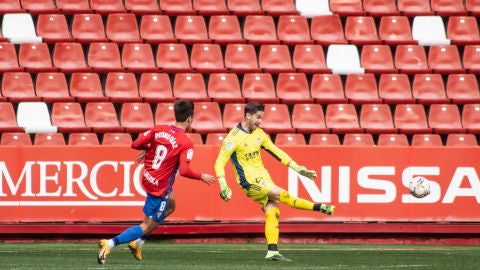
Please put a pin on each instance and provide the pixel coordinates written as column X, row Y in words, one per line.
column 225, row 191
column 141, row 157
column 310, row 174
column 207, row 178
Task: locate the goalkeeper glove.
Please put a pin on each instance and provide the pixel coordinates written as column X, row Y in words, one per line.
column 225, row 191
column 311, row 174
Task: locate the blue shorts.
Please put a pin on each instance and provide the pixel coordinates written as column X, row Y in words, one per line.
column 155, row 207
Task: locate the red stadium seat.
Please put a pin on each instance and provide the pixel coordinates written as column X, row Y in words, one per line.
column 445, row 119
column 466, row 140
column 16, row 138
column 8, row 57
column 245, row 7
column 309, row 118
column 259, row 29
column 240, row 58
column 69, row 57
column 208, row 118
column 13, row 6
column 463, row 88
column 361, row 30
column 68, row 117
column 141, row 7
column 155, row 87
column 8, row 118
column 83, row 139
column 377, row 118
column 427, row 140
column 102, row 117
column 342, row 118
column 173, row 57
column 88, row 28
column 177, row 7
column 225, row 29
column 52, row 87
column 259, row 87
column 361, row 88
column 122, row 87
column 191, row 29
column 233, row 114
column 377, row 59
column 35, row 57
column 471, row 58
column 411, row 59
column 324, row 139
column 293, row 88
column 86, row 87
column 445, row 59
column 462, row 30
column 277, row 119
column 473, row 7
column 395, row 30
column 136, row 117
column 347, row 7
column 210, row 7
column 196, row 138
column 164, row 114
column 215, row 138
column 156, row 28
column 392, row 140
column 279, row 7
column 275, row 59
column 471, row 118
column 309, row 59
column 411, row 119
column 138, row 57
column 448, row 8
column 53, row 28
column 122, row 27
column 293, row 30
column 111, row 138
column 49, row 139
column 107, row 6
column 429, row 88
column 395, row 89
column 379, row 8
column 413, row 8
column 190, row 86
column 327, row 29
column 18, row 87
column 104, row 57
column 39, row 6
column 290, row 139
column 327, row 88
column 358, row 139
column 224, row 88
column 207, row 58
column 73, row 6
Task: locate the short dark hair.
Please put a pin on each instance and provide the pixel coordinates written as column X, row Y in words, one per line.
column 253, row 107
column 183, row 109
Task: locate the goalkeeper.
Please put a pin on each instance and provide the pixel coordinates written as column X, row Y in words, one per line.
column 242, row 146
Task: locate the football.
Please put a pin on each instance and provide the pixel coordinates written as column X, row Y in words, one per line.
column 419, row 187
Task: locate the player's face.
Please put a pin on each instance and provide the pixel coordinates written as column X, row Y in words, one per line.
column 254, row 120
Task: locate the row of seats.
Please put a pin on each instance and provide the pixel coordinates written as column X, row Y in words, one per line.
column 243, row 7
column 254, row 29
column 288, row 88
column 207, row 58
column 358, row 139
column 102, row 117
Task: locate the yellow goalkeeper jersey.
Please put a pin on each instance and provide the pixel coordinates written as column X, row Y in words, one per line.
column 243, row 150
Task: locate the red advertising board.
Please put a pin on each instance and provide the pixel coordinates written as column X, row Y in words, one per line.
column 102, row 184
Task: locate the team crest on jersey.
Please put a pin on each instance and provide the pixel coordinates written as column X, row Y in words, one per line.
column 229, row 145
column 190, row 154
column 259, row 141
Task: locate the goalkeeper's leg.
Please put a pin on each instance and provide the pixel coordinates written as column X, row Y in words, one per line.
column 299, row 203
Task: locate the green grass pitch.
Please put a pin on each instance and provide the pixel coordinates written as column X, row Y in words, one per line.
column 244, row 256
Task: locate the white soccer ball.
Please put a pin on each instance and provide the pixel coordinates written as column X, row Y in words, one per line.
column 419, row 187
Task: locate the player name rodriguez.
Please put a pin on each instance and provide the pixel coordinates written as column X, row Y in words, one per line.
column 108, row 180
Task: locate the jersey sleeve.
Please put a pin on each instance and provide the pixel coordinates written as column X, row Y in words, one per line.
column 184, row 168
column 273, row 150
column 226, row 150
column 143, row 140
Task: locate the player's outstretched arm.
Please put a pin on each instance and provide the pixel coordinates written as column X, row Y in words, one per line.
column 225, row 191
column 311, row 174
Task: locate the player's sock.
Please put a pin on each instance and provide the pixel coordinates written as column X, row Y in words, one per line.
column 141, row 240
column 271, row 225
column 128, row 235
column 298, row 203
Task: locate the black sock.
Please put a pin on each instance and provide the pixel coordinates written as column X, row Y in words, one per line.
column 317, row 207
column 272, row 247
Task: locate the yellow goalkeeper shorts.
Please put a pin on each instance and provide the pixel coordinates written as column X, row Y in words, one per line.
column 259, row 188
